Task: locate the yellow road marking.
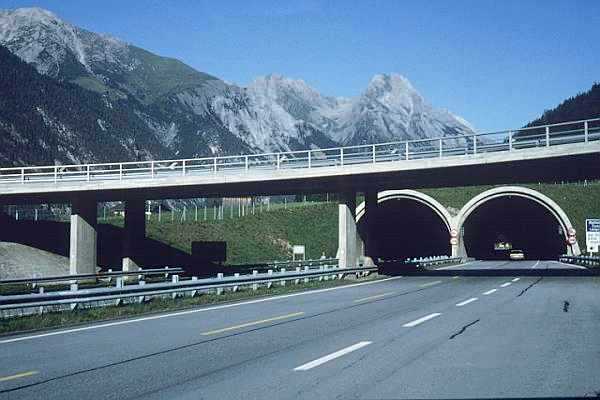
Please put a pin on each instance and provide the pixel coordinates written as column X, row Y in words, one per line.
column 247, row 324
column 378, row 296
column 430, row 283
column 17, row 376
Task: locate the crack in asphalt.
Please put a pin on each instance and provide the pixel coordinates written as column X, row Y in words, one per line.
column 464, row 328
column 566, row 305
column 530, row 286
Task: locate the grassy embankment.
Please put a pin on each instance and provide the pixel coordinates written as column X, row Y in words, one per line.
column 261, row 237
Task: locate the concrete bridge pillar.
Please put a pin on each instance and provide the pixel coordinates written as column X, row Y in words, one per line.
column 134, row 233
column 371, row 210
column 83, row 245
column 347, row 235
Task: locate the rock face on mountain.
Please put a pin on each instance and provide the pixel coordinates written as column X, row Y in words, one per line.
column 173, row 110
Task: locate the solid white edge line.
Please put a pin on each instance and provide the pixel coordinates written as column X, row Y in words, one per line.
column 464, row 303
column 421, row 320
column 176, row 314
column 506, row 284
column 569, row 265
column 332, row 356
column 490, row 292
column 455, row 266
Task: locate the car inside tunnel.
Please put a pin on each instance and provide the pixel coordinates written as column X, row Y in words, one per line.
column 508, row 223
column 405, row 228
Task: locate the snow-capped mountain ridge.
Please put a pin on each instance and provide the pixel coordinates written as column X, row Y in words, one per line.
column 194, row 114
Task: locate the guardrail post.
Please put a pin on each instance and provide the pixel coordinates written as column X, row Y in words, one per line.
column 141, row 298
column 297, row 281
column 246, row 163
column 321, row 276
column 474, row 145
column 22, row 175
column 215, row 165
column 309, row 159
column 120, row 172
column 219, row 290
column 183, row 168
column 510, row 140
column 270, row 283
column 306, row 269
column 236, row 287
column 152, row 168
column 283, row 280
column 342, row 156
column 441, row 148
column 547, row 136
column 585, row 132
column 88, row 173
column 119, row 282
column 278, row 160
column 254, row 275
column 406, row 150
column 374, row 157
column 55, row 174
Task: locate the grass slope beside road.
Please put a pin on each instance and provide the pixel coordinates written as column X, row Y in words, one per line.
column 254, row 238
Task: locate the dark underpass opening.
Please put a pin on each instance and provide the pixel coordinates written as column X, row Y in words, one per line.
column 513, row 223
column 405, row 228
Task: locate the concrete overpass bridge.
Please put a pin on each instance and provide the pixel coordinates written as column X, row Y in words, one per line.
column 559, row 152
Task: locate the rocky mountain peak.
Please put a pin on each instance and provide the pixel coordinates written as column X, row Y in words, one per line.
column 192, row 113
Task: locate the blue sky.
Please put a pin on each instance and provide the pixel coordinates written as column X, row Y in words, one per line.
column 496, row 63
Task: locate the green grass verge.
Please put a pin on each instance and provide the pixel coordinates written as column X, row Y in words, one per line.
column 254, row 238
column 79, row 316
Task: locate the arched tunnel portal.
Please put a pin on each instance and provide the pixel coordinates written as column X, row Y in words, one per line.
column 405, row 224
column 515, row 218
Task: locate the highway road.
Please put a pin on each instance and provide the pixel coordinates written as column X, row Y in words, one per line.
column 402, row 337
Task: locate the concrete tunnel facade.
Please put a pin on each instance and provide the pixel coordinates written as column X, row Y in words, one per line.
column 354, row 248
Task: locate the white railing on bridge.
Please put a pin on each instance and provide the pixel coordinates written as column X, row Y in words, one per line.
column 584, row 131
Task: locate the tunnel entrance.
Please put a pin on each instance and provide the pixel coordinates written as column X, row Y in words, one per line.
column 405, row 228
column 513, row 222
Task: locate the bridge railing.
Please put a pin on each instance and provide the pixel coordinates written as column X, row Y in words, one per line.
column 583, row 131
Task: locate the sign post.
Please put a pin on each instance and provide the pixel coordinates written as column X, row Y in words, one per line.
column 592, row 235
column 298, row 252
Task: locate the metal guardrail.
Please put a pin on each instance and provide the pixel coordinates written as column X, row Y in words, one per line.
column 142, row 290
column 330, row 262
column 583, row 131
column 424, row 261
column 435, row 262
column 82, row 277
column 584, row 261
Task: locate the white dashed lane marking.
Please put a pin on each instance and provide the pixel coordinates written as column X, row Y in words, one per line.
column 421, row 320
column 464, row 303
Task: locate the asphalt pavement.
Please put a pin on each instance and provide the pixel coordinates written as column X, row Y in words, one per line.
column 446, row 336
